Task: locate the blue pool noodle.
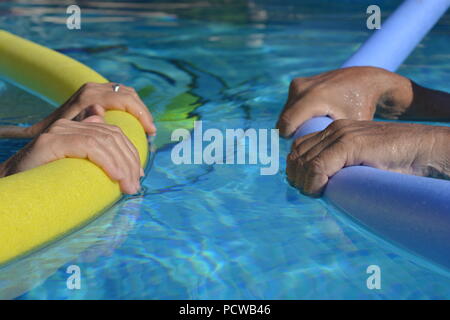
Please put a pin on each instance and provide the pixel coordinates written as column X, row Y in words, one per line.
column 412, row 211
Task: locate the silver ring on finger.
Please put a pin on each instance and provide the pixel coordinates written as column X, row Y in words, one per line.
column 116, row 87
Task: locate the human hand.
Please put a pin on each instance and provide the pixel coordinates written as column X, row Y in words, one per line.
column 348, row 93
column 93, row 99
column 401, row 147
column 103, row 144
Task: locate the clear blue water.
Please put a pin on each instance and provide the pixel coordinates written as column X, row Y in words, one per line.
column 216, row 232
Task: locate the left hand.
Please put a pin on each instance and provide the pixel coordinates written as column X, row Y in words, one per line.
column 402, row 147
column 93, row 99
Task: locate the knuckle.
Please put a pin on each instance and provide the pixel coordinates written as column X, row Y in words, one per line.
column 338, row 127
column 61, row 121
column 340, row 123
column 284, row 121
column 302, row 160
column 108, row 138
column 96, row 105
column 300, row 163
column 88, row 85
column 297, row 84
column 129, row 91
column 314, row 166
column 292, row 157
column 89, row 141
column 335, row 125
column 115, row 129
column 297, row 143
column 116, row 171
column 324, row 134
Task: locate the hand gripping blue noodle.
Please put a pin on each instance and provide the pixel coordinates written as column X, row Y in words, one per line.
column 410, row 210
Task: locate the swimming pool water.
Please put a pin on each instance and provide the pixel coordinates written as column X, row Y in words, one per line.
column 217, row 231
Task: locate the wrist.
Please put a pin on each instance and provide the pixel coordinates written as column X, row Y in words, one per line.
column 15, row 132
column 439, row 153
column 6, row 168
column 12, row 165
column 429, row 104
column 394, row 95
column 2, row 169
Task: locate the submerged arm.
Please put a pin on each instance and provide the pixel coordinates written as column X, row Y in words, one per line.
column 15, row 132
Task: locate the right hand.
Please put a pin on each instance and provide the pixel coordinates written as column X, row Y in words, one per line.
column 103, row 144
column 408, row 148
column 349, row 93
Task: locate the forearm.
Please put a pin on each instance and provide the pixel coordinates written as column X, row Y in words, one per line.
column 428, row 104
column 5, row 167
column 398, row 97
column 15, row 132
column 2, row 170
column 439, row 163
column 12, row 132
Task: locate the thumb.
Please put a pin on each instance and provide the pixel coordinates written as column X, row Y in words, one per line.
column 96, row 119
column 291, row 119
column 296, row 115
column 95, row 109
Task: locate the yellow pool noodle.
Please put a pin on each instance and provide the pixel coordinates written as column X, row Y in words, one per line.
column 45, row 203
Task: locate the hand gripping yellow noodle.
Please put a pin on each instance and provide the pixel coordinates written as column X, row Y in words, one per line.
column 42, row 204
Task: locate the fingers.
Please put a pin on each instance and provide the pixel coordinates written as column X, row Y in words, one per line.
column 314, row 174
column 318, row 156
column 312, row 144
column 294, row 116
column 105, row 129
column 95, row 109
column 126, row 99
column 127, row 149
column 311, row 176
column 141, row 112
column 97, row 119
column 94, row 99
column 114, row 138
column 103, row 144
